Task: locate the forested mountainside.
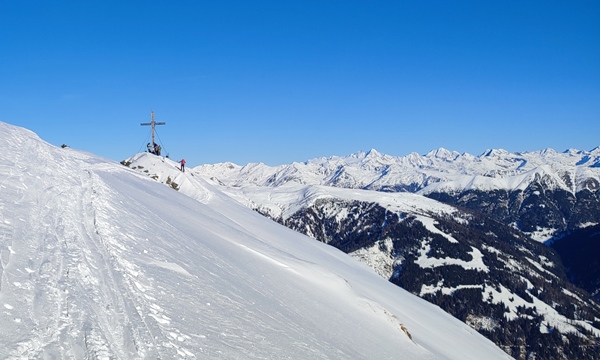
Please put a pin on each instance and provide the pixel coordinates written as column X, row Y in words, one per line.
column 580, row 253
column 513, row 290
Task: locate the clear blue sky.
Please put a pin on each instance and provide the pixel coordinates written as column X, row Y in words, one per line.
column 284, row 81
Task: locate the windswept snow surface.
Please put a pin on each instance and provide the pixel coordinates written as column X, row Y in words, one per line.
column 100, row 261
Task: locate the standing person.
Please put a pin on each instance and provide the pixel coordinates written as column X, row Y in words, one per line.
column 182, row 162
column 149, row 148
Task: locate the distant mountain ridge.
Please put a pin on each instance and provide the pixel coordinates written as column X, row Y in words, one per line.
column 455, row 229
column 497, row 182
column 493, row 169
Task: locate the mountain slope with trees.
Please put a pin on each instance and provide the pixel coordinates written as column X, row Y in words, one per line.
column 482, row 261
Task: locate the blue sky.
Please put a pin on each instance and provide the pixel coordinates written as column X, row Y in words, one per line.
column 284, row 81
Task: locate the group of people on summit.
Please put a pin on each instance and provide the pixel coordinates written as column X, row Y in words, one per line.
column 156, row 151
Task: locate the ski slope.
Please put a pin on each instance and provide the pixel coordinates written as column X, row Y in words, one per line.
column 100, row 261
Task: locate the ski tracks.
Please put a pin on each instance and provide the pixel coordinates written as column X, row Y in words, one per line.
column 52, row 254
column 11, row 189
column 148, row 329
column 60, row 272
column 67, row 290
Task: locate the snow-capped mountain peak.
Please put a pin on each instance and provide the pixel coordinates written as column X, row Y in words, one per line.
column 373, row 154
column 495, row 153
column 443, row 154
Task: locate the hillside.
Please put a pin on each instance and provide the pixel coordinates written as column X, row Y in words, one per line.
column 485, row 272
column 101, row 261
column 580, row 252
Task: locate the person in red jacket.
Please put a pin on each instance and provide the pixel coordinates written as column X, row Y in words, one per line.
column 182, row 162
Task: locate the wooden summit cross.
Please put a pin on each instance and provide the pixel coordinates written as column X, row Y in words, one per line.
column 152, row 123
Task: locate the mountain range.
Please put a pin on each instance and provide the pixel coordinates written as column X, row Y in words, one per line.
column 558, row 190
column 464, row 232
column 100, row 260
column 104, row 261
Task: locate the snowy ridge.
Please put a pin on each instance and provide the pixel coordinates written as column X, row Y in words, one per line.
column 287, row 200
column 101, row 261
column 488, row 183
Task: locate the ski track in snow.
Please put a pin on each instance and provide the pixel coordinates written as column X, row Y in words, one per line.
column 60, row 287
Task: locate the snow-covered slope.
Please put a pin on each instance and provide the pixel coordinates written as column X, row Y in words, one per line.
column 288, row 199
column 485, row 273
column 100, row 261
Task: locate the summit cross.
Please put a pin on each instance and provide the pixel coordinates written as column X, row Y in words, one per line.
column 153, row 123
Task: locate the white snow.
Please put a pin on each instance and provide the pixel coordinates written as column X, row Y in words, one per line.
column 380, row 261
column 542, row 234
column 572, row 295
column 429, row 224
column 476, row 263
column 285, row 200
column 100, row 261
column 552, row 318
column 540, row 267
column 430, row 289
